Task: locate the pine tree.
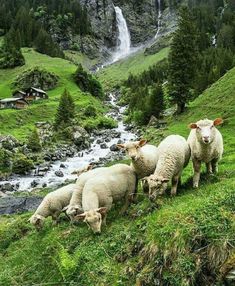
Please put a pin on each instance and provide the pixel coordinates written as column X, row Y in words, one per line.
column 182, row 60
column 66, row 110
column 156, row 100
column 34, row 141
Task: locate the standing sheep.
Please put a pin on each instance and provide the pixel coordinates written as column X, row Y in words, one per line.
column 144, row 157
column 52, row 205
column 174, row 155
column 101, row 191
column 206, row 145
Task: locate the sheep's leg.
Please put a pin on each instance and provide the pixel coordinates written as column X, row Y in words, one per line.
column 104, row 219
column 175, row 181
column 55, row 218
column 196, row 177
column 128, row 201
column 214, row 164
column 209, row 168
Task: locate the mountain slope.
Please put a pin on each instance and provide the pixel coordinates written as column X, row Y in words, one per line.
column 186, row 240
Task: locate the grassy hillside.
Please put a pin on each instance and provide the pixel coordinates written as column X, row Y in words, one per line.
column 135, row 64
column 186, row 240
column 19, row 122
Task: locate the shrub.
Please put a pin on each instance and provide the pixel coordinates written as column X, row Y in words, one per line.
column 90, row 111
column 21, row 164
column 34, row 143
column 5, row 160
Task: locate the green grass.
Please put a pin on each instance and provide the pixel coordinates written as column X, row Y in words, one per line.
column 20, row 122
column 114, row 74
column 186, row 240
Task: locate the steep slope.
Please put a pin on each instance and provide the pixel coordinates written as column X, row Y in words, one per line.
column 20, row 122
column 186, row 240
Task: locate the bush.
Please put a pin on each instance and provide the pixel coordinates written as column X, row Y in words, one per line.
column 5, row 160
column 34, row 143
column 90, row 111
column 21, row 164
column 88, row 83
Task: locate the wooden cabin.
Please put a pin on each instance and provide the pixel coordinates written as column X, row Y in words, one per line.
column 34, row 93
column 19, row 94
column 15, row 103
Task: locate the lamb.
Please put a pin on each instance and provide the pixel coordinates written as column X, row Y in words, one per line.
column 206, row 145
column 144, row 157
column 52, row 205
column 174, row 155
column 82, row 170
column 100, row 192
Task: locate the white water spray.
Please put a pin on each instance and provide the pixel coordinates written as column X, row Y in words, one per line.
column 159, row 18
column 124, row 40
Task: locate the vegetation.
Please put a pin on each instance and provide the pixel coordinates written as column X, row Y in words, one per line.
column 186, row 240
column 34, row 143
column 21, row 164
column 65, row 112
column 182, row 60
column 88, row 83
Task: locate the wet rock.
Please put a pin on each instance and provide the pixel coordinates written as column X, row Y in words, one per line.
column 34, row 183
column 62, row 165
column 129, row 127
column 59, row 173
column 119, row 141
column 80, row 137
column 99, row 141
column 44, row 185
column 107, row 140
column 114, row 148
column 103, row 146
column 11, row 205
column 7, row 187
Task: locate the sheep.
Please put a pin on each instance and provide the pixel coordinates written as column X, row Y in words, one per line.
column 144, row 157
column 82, row 170
column 52, row 205
column 75, row 205
column 206, row 143
column 174, row 155
column 101, row 191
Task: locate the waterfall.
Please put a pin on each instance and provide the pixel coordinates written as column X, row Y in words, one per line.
column 124, row 40
column 158, row 18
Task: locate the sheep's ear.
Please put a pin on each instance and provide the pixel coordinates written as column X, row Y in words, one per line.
column 121, row 146
column 144, row 179
column 80, row 216
column 142, row 142
column 102, row 210
column 89, row 167
column 192, row 125
column 218, row 121
column 64, row 209
column 165, row 180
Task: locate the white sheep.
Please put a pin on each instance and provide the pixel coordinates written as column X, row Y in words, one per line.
column 144, row 157
column 75, row 205
column 82, row 170
column 174, row 155
column 101, row 191
column 52, row 205
column 206, row 145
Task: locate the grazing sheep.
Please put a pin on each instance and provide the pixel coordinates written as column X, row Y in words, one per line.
column 82, row 170
column 52, row 205
column 144, row 157
column 206, row 145
column 75, row 205
column 174, row 155
column 101, row 191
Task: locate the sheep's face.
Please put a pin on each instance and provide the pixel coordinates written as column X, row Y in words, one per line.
column 133, row 149
column 93, row 219
column 157, row 186
column 37, row 221
column 72, row 211
column 205, row 129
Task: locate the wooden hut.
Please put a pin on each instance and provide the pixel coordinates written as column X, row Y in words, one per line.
column 15, row 103
column 34, row 93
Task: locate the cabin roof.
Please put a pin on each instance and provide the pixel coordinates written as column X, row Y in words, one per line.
column 38, row 90
column 20, row 91
column 5, row 100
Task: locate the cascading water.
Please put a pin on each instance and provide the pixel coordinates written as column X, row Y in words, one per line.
column 159, row 18
column 124, row 39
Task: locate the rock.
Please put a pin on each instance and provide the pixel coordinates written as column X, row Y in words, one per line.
column 44, row 185
column 11, row 205
column 7, row 187
column 114, row 148
column 119, row 141
column 129, row 127
column 34, row 183
column 80, row 137
column 8, row 142
column 62, row 165
column 103, row 146
column 107, row 140
column 99, row 141
column 59, row 173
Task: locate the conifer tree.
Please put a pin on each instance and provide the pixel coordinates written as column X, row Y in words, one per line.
column 34, row 141
column 182, row 60
column 65, row 111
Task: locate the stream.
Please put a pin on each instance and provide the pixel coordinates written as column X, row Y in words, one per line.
column 94, row 154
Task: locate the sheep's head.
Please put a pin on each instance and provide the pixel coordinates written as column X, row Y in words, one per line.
column 156, row 186
column 205, row 129
column 133, row 148
column 73, row 210
column 37, row 221
column 93, row 219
